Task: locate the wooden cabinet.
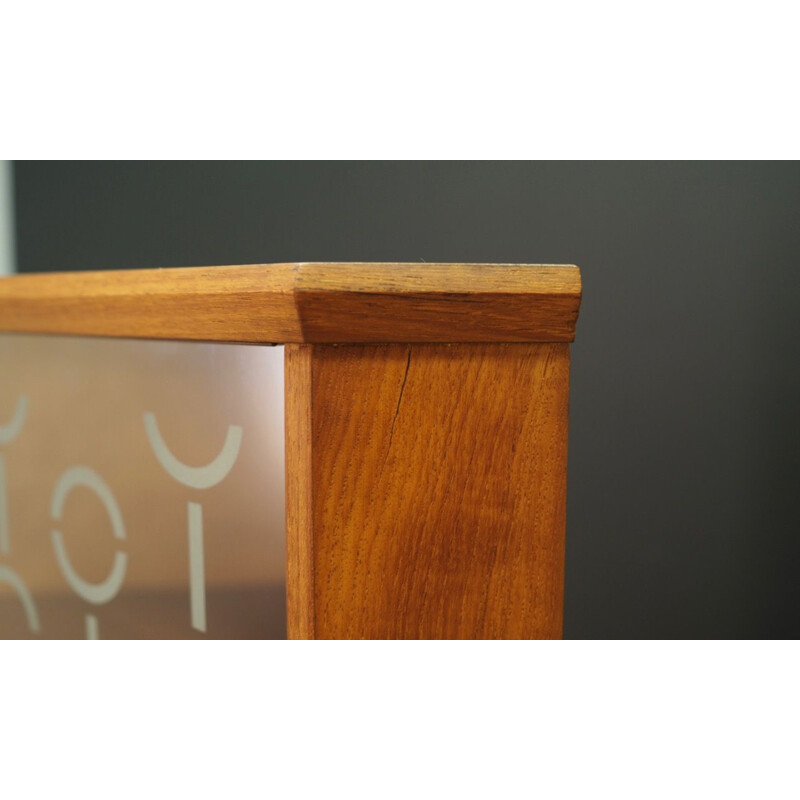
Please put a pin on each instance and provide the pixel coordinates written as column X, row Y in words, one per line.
column 426, row 415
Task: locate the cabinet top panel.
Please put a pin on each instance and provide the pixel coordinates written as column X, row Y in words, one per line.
column 302, row 303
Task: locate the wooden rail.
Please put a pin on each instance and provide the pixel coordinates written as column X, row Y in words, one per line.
column 426, row 426
column 302, row 303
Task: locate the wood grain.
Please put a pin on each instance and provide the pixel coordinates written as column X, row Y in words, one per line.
column 221, row 304
column 438, row 302
column 302, row 303
column 299, row 496
column 437, row 479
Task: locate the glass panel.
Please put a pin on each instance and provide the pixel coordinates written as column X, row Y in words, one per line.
column 141, row 489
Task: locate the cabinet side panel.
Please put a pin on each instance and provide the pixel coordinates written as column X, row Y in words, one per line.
column 438, row 482
column 299, row 499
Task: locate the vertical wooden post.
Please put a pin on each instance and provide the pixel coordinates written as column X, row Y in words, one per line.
column 426, row 490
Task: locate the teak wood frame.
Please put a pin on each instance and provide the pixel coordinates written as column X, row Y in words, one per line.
column 426, row 426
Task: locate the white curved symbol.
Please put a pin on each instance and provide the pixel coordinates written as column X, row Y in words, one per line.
column 10, row 430
column 7, row 575
column 91, row 592
column 8, row 433
column 195, row 477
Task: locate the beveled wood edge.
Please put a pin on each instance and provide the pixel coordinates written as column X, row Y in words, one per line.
column 302, row 303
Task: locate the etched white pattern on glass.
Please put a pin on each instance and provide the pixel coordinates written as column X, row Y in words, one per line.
column 108, row 531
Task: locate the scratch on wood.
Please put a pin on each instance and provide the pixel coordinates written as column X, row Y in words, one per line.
column 397, row 410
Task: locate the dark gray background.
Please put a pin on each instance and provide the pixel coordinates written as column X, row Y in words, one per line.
column 684, row 438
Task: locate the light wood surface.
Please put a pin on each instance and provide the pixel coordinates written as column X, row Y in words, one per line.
column 432, row 482
column 302, row 303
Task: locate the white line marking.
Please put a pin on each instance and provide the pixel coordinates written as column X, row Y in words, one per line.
column 92, row 630
column 195, row 477
column 10, row 430
column 5, row 541
column 9, row 576
column 197, row 568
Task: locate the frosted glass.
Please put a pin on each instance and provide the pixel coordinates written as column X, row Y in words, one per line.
column 141, row 489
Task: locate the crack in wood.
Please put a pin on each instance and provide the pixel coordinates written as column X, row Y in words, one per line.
column 397, row 409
